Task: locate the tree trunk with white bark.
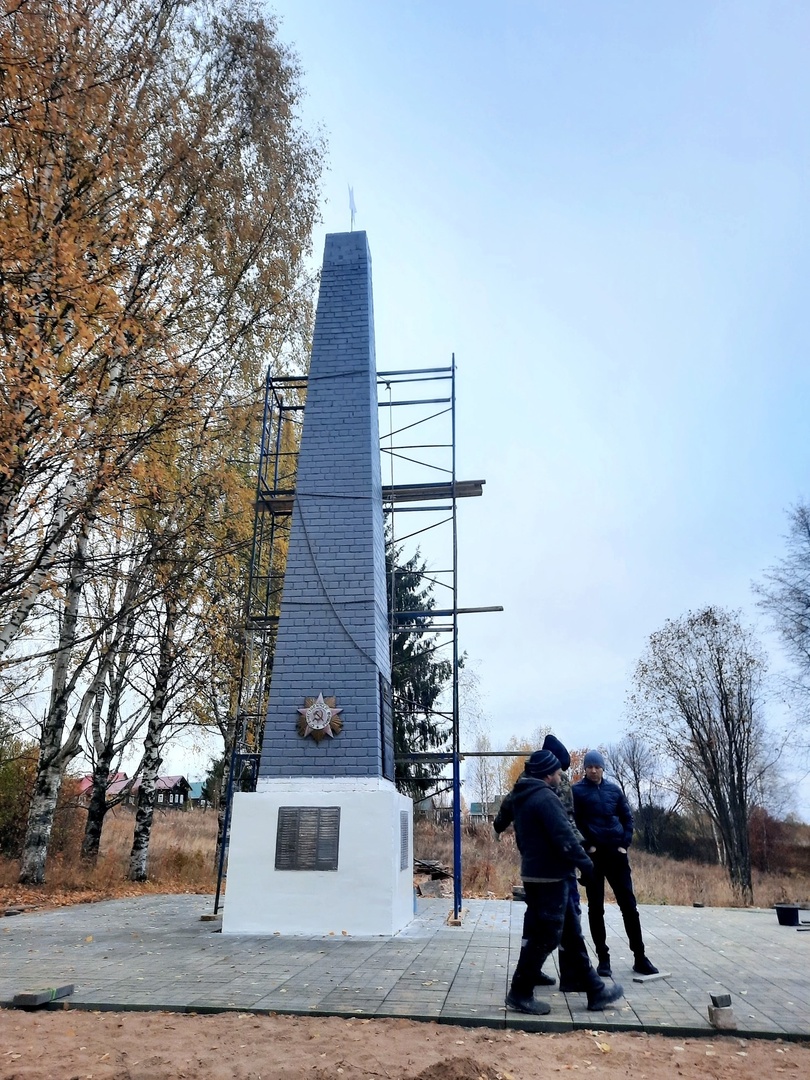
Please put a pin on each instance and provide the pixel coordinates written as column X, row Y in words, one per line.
column 53, row 756
column 96, row 811
column 139, row 855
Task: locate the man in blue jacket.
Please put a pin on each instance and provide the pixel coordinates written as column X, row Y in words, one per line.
column 549, row 852
column 604, row 819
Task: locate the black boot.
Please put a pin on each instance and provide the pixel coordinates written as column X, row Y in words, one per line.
column 602, row 998
column 642, row 966
column 603, row 969
column 527, row 1004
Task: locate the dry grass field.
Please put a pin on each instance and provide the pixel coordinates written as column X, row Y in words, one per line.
column 182, row 860
column 492, row 867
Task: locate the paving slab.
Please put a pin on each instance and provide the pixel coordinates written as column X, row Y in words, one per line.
column 156, row 952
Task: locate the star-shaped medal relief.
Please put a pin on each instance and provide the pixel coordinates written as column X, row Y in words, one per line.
column 319, row 718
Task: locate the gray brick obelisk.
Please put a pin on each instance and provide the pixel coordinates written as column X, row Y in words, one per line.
column 333, row 628
column 324, row 844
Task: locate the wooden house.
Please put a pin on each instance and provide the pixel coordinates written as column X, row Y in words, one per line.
column 171, row 792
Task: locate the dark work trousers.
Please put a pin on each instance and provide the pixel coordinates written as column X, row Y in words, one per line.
column 550, row 923
column 614, row 867
column 568, row 971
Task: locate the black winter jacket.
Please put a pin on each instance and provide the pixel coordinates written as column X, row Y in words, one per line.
column 546, row 840
column 505, row 815
column 602, row 814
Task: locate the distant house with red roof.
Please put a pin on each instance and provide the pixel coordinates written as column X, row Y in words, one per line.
column 86, row 784
column 171, row 792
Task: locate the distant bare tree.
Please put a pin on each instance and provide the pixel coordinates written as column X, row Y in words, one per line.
column 483, row 779
column 785, row 596
column 482, row 774
column 654, row 797
column 698, row 700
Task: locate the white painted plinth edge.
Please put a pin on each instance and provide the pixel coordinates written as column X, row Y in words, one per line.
column 369, row 895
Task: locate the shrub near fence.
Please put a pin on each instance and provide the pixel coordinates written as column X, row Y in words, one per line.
column 17, row 773
column 18, row 763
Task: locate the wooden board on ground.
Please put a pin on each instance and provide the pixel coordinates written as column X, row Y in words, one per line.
column 32, row 999
column 653, row 978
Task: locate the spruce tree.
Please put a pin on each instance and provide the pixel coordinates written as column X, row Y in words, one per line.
column 418, row 677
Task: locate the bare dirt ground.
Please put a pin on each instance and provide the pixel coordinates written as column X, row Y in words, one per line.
column 73, row 1045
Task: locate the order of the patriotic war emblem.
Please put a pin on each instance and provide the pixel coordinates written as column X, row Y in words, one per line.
column 319, row 718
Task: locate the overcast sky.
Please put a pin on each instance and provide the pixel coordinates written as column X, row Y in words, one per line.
column 600, row 208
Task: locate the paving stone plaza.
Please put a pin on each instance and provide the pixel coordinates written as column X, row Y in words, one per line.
column 155, row 952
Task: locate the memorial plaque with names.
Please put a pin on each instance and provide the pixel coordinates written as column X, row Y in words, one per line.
column 404, row 837
column 307, row 838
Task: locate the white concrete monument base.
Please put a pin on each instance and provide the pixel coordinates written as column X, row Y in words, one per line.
column 370, row 893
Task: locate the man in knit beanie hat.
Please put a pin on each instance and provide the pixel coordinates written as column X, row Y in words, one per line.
column 568, row 979
column 552, row 743
column 549, row 852
column 504, row 817
column 604, row 819
column 569, row 984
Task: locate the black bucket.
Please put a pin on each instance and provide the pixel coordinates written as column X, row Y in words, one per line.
column 787, row 914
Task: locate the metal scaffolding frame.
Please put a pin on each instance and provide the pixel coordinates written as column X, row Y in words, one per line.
column 417, row 444
column 282, row 420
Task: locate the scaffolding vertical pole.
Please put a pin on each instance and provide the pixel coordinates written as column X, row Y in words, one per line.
column 249, row 645
column 226, row 825
column 456, row 735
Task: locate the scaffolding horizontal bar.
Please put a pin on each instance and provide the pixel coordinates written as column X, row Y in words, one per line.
column 445, row 613
column 281, row 502
column 495, row 753
column 433, row 509
column 441, row 489
column 386, row 384
column 448, row 757
column 414, row 371
column 416, row 401
column 444, row 758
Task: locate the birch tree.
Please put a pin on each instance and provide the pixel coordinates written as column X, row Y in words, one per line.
column 194, row 528
column 152, row 759
column 54, row 753
column 56, row 749
column 115, row 720
column 156, row 202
